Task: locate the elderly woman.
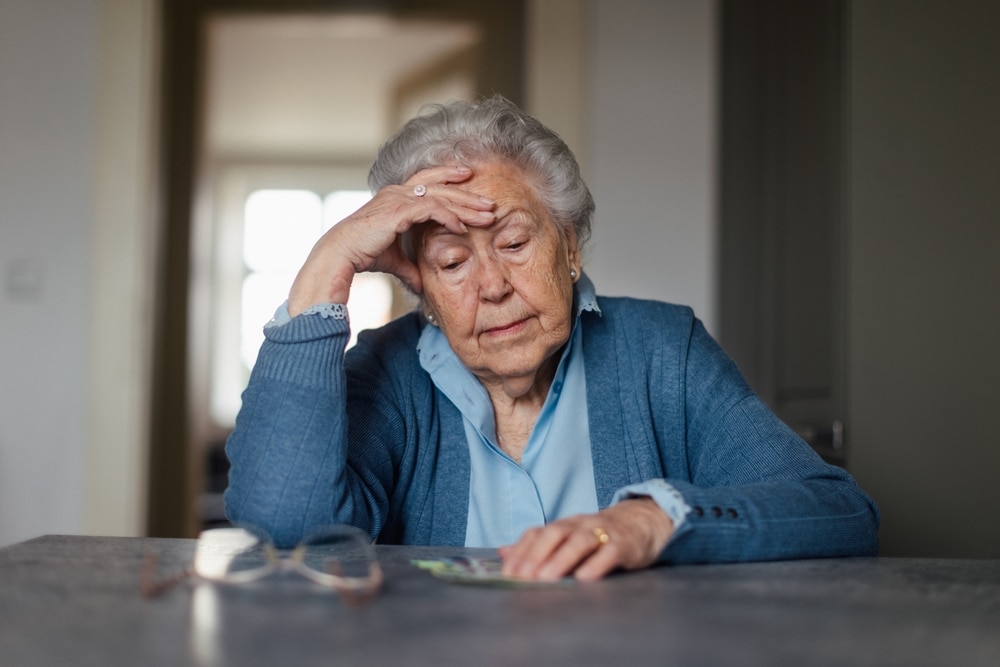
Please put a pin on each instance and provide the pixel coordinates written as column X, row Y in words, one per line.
column 516, row 409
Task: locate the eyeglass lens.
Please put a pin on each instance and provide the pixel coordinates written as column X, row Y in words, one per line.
column 340, row 551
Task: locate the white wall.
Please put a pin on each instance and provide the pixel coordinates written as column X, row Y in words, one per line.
column 76, row 230
column 651, row 150
column 48, row 70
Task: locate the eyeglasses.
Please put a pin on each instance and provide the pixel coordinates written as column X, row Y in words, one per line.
column 339, row 557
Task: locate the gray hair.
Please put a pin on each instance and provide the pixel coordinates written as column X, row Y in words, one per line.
column 492, row 129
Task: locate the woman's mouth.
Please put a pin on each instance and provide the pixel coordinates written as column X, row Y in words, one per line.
column 510, row 327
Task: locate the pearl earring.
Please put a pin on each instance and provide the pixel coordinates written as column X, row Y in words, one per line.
column 430, row 317
column 572, row 274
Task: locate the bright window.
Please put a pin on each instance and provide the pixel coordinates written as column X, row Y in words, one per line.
column 279, row 228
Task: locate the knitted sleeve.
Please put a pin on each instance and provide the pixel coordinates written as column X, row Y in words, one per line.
column 756, row 490
column 288, row 452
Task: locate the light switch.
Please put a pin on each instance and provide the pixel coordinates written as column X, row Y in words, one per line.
column 24, row 280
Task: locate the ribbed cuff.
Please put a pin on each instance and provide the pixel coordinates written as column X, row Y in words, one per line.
column 306, row 350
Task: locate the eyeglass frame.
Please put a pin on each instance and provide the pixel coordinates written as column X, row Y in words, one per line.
column 354, row 589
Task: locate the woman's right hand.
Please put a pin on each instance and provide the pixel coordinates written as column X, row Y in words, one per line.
column 368, row 239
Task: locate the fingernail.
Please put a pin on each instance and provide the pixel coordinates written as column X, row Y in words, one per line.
column 487, row 201
column 486, row 215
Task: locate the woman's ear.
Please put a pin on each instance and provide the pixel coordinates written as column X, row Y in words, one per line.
column 428, row 313
column 573, row 255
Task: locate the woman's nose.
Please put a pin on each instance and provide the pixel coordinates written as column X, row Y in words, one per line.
column 493, row 283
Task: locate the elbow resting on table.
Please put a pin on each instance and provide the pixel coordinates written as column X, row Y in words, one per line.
column 239, row 512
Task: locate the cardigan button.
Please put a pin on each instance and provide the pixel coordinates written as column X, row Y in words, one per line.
column 699, row 511
column 716, row 511
column 732, row 513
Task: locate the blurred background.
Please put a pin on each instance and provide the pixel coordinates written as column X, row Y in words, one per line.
column 818, row 180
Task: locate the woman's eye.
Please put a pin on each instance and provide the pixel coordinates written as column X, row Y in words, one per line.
column 451, row 265
column 516, row 245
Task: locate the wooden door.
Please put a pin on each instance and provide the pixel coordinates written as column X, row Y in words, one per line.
column 782, row 245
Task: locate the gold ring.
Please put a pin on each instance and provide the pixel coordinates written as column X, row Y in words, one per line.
column 602, row 537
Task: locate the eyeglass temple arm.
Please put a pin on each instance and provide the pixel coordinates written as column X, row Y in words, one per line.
column 150, row 586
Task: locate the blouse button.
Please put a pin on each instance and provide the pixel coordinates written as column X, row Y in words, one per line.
column 716, row 511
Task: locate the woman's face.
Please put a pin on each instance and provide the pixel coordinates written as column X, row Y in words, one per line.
column 502, row 294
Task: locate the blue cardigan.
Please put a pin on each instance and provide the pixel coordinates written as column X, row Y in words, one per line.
column 366, row 439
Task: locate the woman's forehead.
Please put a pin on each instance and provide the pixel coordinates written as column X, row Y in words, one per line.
column 514, row 220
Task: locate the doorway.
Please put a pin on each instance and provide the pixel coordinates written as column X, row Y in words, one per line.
column 286, row 102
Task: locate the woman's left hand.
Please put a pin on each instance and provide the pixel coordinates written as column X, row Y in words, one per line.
column 629, row 535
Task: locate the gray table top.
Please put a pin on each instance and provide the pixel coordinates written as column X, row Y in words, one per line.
column 75, row 601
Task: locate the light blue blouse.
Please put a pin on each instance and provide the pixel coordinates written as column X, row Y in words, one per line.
column 555, row 477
